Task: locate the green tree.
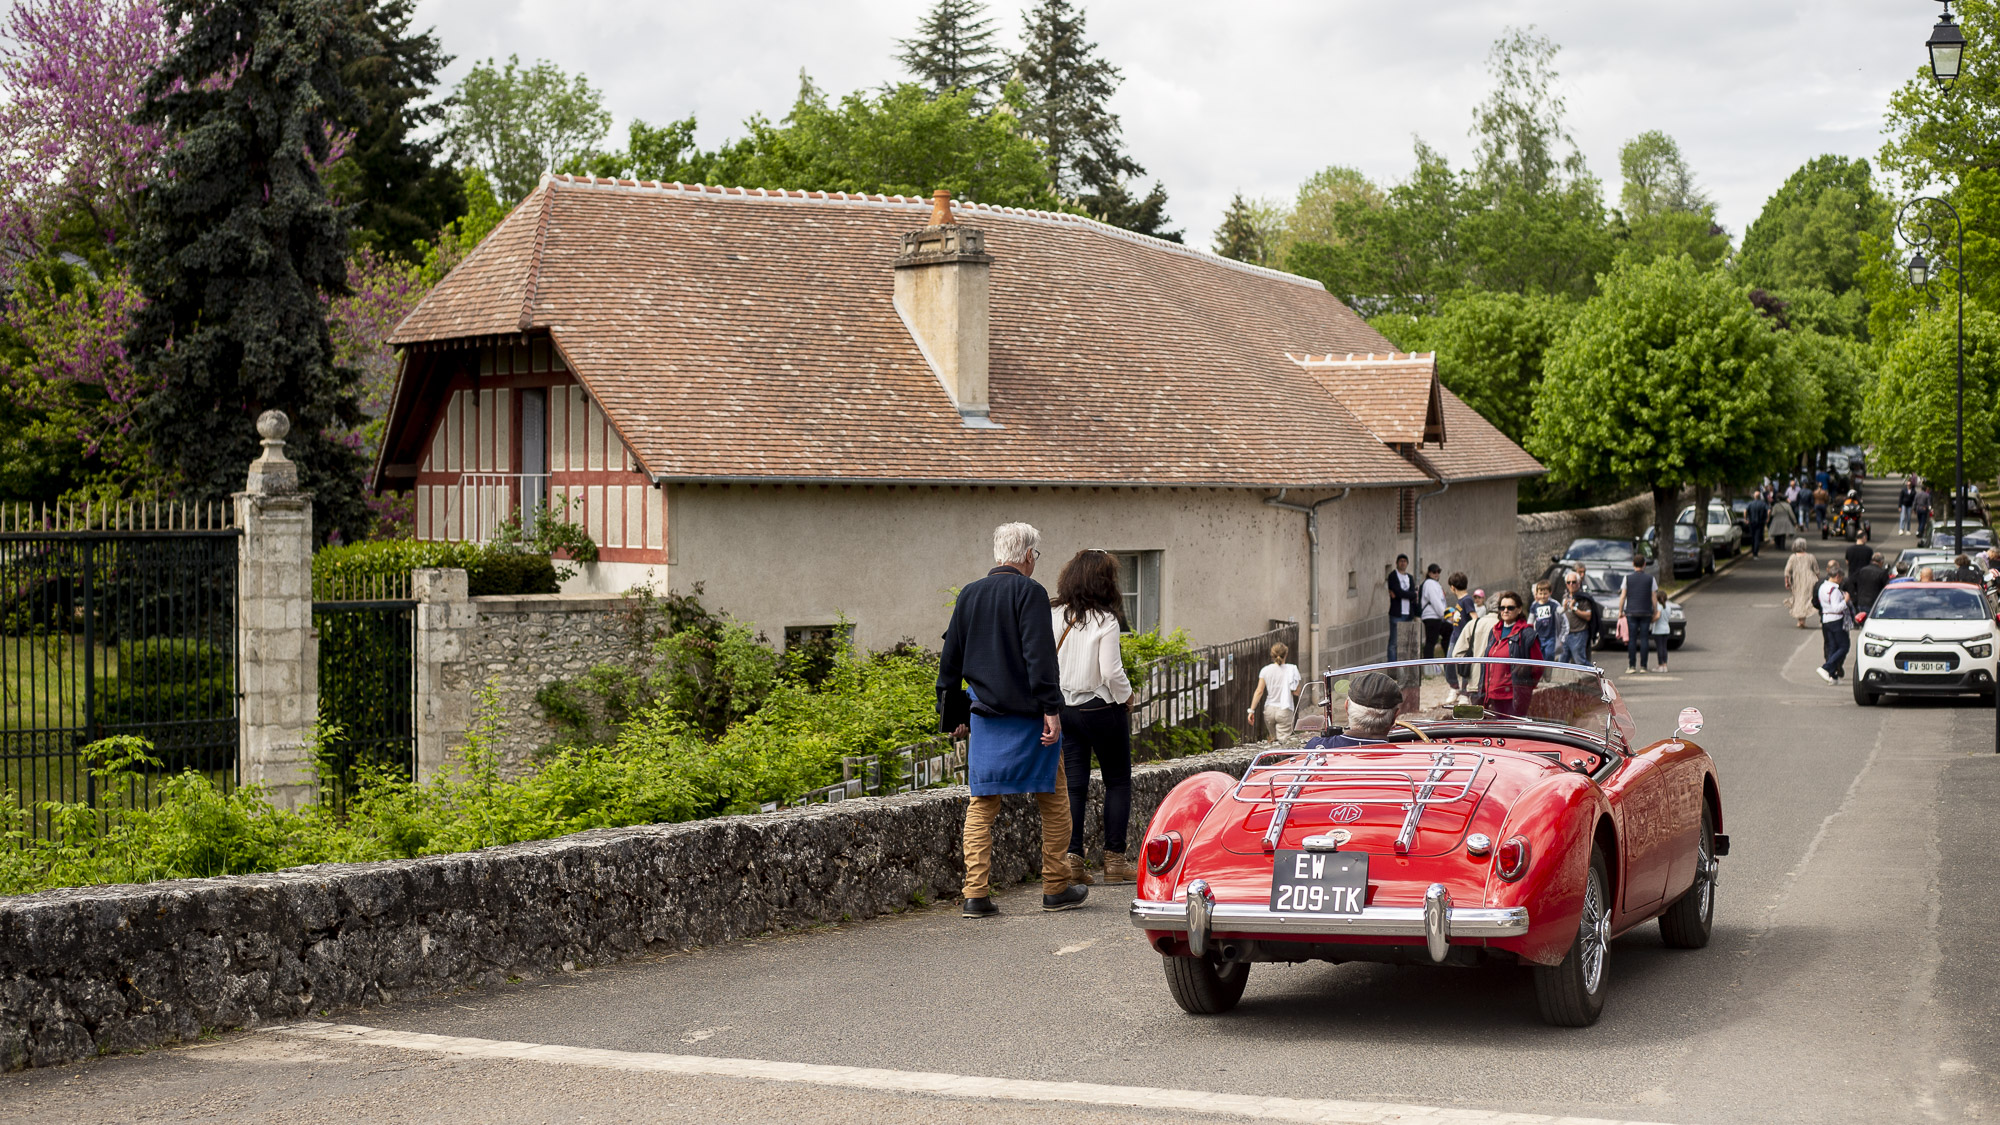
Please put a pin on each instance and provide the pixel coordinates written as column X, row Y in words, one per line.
column 664, row 153
column 1066, row 85
column 1238, row 237
column 1808, row 236
column 1835, row 371
column 1146, row 214
column 954, row 50
column 400, row 192
column 1491, row 348
column 899, row 141
column 514, row 124
column 239, row 249
column 1400, row 255
column 1657, row 178
column 1669, row 377
column 1911, row 410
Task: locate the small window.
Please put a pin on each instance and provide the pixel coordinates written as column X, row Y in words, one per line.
column 1352, row 589
column 1139, row 578
column 804, row 636
column 1406, row 511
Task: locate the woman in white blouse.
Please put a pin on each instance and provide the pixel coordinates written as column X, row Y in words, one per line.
column 1097, row 696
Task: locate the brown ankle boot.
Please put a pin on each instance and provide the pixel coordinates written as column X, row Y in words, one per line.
column 1118, row 869
column 1079, row 874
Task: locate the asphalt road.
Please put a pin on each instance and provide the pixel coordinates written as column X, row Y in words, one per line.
column 1851, row 978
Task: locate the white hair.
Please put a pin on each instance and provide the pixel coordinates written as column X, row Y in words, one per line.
column 1012, row 542
column 1369, row 722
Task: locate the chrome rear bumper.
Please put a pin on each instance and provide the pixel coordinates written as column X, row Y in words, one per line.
column 1437, row 922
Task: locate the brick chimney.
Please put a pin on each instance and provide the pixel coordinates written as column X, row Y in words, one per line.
column 944, row 285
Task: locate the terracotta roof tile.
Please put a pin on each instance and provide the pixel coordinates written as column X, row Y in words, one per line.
column 1394, row 394
column 736, row 334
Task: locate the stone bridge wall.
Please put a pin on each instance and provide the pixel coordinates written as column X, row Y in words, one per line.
column 87, row 970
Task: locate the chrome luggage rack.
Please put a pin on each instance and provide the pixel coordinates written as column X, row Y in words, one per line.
column 1335, row 780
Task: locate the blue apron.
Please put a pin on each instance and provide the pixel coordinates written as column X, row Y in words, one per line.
column 1006, row 755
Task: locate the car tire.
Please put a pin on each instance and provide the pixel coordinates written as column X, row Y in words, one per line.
column 1687, row 923
column 1674, row 643
column 1571, row 993
column 1863, row 696
column 1204, row 988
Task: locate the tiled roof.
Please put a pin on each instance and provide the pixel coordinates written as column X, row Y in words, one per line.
column 751, row 335
column 1395, row 395
column 1476, row 449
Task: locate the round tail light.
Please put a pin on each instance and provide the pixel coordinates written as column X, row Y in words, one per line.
column 1511, row 861
column 1161, row 851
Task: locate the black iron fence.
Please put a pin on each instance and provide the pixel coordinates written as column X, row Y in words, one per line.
column 367, row 679
column 1207, row 691
column 114, row 619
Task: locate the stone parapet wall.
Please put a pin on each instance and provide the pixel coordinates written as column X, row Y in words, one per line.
column 1542, row 534
column 93, row 969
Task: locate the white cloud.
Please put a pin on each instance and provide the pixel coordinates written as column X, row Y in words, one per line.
column 1256, row 96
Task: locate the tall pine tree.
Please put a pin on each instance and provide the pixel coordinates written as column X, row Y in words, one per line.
column 239, row 247
column 953, row 50
column 400, row 191
column 1067, row 85
column 1238, row 237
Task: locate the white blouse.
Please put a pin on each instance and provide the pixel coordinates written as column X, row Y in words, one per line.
column 1089, row 659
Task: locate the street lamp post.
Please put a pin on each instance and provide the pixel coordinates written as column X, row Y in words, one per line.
column 1947, row 50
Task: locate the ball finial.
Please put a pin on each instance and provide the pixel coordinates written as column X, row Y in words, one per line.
column 272, row 425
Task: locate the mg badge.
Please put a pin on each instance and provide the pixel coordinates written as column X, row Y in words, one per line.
column 1344, row 814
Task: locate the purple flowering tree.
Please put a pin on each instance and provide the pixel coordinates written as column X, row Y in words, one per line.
column 383, row 291
column 76, row 381
column 70, row 77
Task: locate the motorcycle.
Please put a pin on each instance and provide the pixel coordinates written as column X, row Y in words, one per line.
column 1846, row 523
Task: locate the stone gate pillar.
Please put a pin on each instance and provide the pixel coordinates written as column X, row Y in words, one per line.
column 277, row 655
column 444, row 687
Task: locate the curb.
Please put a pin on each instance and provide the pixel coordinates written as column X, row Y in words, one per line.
column 1693, row 585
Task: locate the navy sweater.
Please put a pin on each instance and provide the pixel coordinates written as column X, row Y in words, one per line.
column 1000, row 642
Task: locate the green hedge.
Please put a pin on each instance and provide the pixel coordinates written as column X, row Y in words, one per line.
column 346, row 571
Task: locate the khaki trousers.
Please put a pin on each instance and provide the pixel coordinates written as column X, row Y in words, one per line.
column 1055, row 840
column 1278, row 720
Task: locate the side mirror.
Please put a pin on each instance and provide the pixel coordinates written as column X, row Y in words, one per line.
column 1690, row 722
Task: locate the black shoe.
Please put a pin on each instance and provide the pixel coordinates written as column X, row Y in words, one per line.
column 1068, row 900
column 981, row 907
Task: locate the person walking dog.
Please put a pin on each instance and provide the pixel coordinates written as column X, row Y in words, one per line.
column 1000, row 647
column 1088, row 616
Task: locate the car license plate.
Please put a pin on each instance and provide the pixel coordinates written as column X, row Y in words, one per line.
column 1926, row 666
column 1319, row 882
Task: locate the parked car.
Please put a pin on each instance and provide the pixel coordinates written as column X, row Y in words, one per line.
column 1725, row 535
column 1926, row 638
column 1914, row 559
column 1842, row 471
column 1462, row 837
column 1976, row 539
column 1604, row 552
column 1692, row 555
column 1604, row 586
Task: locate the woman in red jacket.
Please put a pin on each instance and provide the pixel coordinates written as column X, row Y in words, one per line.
column 1507, row 690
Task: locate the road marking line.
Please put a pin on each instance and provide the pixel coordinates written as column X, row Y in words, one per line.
column 1325, row 1112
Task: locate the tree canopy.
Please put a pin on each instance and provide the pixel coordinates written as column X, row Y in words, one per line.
column 1491, row 348
column 1808, row 236
column 239, row 249
column 515, row 124
column 954, row 50
column 400, row 191
column 1911, row 410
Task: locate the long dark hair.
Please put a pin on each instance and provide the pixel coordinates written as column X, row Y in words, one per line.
column 1090, row 582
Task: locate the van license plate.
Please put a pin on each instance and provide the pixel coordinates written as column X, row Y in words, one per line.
column 1926, row 666
column 1319, row 882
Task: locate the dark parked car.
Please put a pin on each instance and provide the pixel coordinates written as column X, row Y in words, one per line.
column 1691, row 558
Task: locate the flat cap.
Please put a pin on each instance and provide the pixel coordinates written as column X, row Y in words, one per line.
column 1373, row 689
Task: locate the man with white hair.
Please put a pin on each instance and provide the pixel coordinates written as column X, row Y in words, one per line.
column 1001, row 646
column 1373, row 701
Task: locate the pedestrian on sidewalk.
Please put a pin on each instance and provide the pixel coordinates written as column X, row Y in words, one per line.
column 1638, row 604
column 1962, row 570
column 1801, row 572
column 1920, row 508
column 1820, row 499
column 1278, row 690
column 1000, row 646
column 1783, row 524
column 1756, row 514
column 1431, row 607
column 1904, row 500
column 1504, row 690
column 1547, row 619
column 1402, row 599
column 1580, row 609
column 1088, row 616
column 1463, row 611
column 1792, row 500
column 1834, row 615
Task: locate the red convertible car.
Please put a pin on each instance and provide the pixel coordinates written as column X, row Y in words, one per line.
column 1527, row 826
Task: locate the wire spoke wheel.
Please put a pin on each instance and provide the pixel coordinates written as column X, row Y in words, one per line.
column 1687, row 923
column 1571, row 992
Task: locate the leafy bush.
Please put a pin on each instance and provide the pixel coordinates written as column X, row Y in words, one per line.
column 491, row 569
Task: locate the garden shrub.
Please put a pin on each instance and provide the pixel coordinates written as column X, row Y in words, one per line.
column 348, row 571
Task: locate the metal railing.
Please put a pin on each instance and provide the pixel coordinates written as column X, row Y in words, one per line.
column 367, row 678
column 922, row 765
column 1210, row 688
column 478, row 504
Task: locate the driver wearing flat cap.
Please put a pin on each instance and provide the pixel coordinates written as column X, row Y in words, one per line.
column 1372, row 702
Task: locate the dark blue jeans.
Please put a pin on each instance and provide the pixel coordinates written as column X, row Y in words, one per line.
column 1834, row 635
column 1639, row 630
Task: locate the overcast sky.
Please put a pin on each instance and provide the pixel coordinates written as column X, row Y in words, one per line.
column 1255, row 96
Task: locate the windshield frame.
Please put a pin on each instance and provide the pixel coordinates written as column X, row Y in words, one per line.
column 1908, row 592
column 1620, row 739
